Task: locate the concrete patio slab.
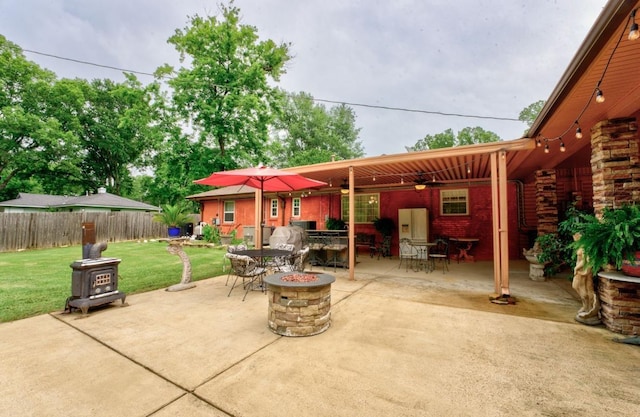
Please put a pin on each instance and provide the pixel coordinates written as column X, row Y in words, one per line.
column 48, row 368
column 401, row 343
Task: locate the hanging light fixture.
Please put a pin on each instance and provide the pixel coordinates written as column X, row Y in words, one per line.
column 578, row 131
column 599, row 95
column 344, row 187
column 562, row 147
column 546, row 148
column 634, row 33
column 538, row 143
column 421, row 182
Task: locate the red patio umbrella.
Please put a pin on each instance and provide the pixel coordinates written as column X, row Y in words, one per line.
column 263, row 179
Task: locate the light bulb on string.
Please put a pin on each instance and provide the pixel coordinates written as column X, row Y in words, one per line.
column 599, row 96
column 562, row 147
column 634, row 33
column 578, row 133
column 546, row 146
column 538, row 143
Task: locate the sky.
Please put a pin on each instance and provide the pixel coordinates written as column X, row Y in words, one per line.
column 489, row 58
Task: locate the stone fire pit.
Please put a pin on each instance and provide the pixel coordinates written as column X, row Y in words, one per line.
column 299, row 303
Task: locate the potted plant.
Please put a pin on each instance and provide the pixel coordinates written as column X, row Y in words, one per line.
column 173, row 216
column 555, row 251
column 384, row 225
column 335, row 224
column 611, row 240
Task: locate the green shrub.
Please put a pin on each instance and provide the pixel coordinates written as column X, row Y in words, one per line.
column 211, row 234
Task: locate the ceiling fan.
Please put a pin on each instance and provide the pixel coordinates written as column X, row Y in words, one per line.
column 421, row 182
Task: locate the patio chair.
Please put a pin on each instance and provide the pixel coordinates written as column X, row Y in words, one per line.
column 335, row 249
column 384, row 248
column 298, row 261
column 246, row 268
column 225, row 260
column 277, row 263
column 317, row 253
column 440, row 253
column 408, row 253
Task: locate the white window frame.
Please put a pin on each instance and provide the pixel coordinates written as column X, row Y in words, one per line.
column 229, row 216
column 452, row 200
column 367, row 207
column 296, row 207
column 273, row 208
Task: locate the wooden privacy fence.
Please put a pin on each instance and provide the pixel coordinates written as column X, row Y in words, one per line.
column 46, row 230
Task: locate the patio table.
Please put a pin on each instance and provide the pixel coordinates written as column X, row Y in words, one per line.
column 422, row 246
column 464, row 245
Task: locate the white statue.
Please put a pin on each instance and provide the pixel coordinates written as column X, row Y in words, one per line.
column 589, row 313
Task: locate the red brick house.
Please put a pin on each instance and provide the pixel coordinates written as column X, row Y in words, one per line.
column 501, row 193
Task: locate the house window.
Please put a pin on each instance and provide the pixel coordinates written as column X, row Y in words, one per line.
column 295, row 207
column 454, row 202
column 229, row 211
column 367, row 207
column 274, row 207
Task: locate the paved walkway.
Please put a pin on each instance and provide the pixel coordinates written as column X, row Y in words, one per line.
column 401, row 344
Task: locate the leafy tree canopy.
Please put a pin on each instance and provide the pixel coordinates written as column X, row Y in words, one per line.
column 35, row 148
column 308, row 133
column 529, row 113
column 224, row 93
column 448, row 139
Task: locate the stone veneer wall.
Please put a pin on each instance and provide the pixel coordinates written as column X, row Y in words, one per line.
column 546, row 201
column 615, row 163
column 299, row 311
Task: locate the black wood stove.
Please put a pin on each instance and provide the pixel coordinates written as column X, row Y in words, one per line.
column 94, row 280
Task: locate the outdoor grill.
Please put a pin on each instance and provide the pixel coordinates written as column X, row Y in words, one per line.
column 94, row 280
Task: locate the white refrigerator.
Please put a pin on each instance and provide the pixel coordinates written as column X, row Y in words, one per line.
column 413, row 224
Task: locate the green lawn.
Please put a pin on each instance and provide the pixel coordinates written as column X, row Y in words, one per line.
column 39, row 281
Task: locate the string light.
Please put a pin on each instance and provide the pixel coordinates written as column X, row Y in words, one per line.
column 634, row 33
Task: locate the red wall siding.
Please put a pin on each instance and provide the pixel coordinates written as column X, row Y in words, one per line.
column 318, row 207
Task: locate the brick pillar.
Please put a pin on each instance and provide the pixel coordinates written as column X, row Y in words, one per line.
column 546, row 201
column 615, row 163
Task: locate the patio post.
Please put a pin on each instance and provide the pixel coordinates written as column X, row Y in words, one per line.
column 500, row 223
column 352, row 229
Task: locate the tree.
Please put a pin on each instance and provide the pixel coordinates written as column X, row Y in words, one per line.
column 118, row 129
column 308, row 133
column 448, row 139
column 225, row 94
column 34, row 145
column 530, row 113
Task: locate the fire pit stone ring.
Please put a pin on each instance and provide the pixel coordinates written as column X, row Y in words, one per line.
column 299, row 303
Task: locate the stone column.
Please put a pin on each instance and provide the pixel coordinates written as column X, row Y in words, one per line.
column 546, row 201
column 615, row 163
